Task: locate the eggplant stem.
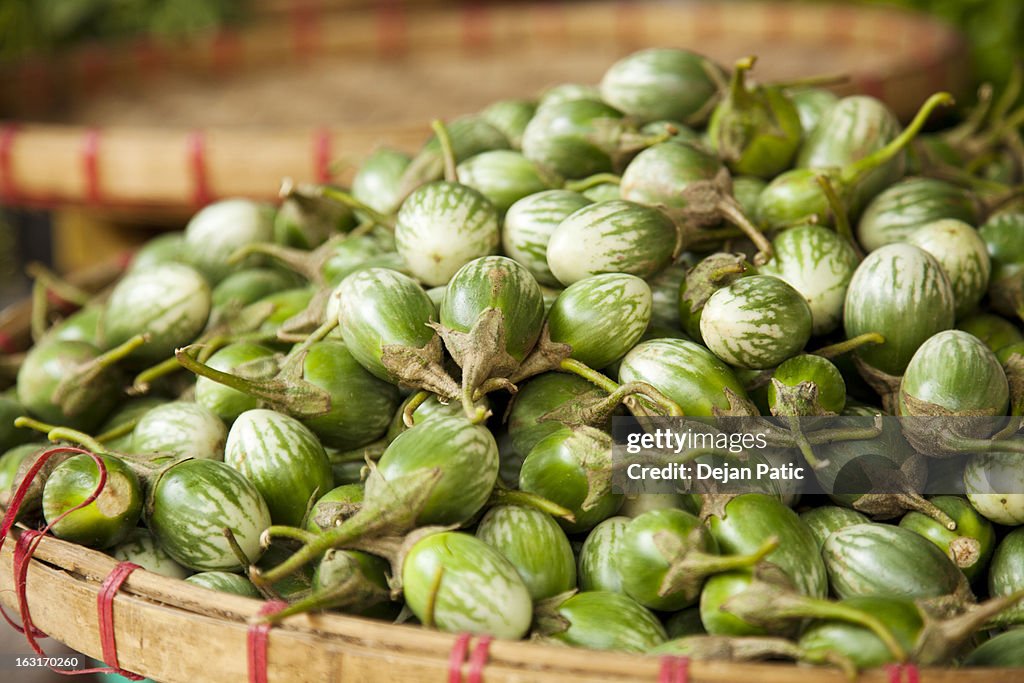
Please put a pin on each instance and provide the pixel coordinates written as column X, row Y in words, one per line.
column 121, row 351
column 803, row 444
column 838, row 349
column 319, row 334
column 40, row 311
column 584, row 184
column 573, row 366
column 911, row 500
column 831, row 610
column 314, row 547
column 415, row 402
column 142, row 381
column 294, row 533
column 854, row 171
column 447, row 150
column 501, row 496
column 118, row 431
column 75, row 436
column 342, row 197
column 431, row 606
column 839, row 212
column 732, row 212
column 1013, row 426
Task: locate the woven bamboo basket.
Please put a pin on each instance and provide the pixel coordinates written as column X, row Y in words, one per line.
column 155, row 127
column 174, row 632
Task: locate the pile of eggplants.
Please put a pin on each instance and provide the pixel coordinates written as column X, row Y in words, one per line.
column 395, row 399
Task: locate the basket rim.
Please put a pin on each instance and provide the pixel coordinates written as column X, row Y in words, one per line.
column 509, row 660
column 922, row 52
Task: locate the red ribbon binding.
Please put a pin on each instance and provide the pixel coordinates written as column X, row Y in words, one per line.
column 105, row 611
column 8, row 186
column 25, row 547
column 197, row 164
column 477, row 660
column 257, row 641
column 322, row 155
column 896, row 673
column 674, row 670
column 7, row 344
column 91, row 165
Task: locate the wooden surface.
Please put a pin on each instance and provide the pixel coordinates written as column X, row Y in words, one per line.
column 164, row 127
column 179, row 633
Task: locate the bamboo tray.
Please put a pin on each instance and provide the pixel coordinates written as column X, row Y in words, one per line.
column 174, row 632
column 148, row 126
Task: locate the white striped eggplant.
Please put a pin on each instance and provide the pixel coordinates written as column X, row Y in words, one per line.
column 182, row 430
column 534, row 544
column 572, row 468
column 663, row 83
column 440, row 472
column 469, row 136
column 334, row 507
column 108, row 519
column 504, row 177
column 1004, row 237
column 970, row 546
column 792, row 382
column 954, row 391
column 536, row 398
column 902, row 208
column 283, row 459
column 756, row 322
column 811, row 105
column 705, row 278
column 491, row 317
column 819, row 264
column 665, row 555
column 825, row 520
column 688, row 374
column 900, row 292
column 82, row 325
column 244, row 359
column 578, row 138
column 214, row 234
column 430, row 408
column 745, row 523
column 443, row 225
column 126, row 416
column 528, row 227
column 1005, row 650
column 601, row 317
column 616, row 236
column 1006, row 575
column 694, row 188
column 192, row 502
column 995, row 487
column 962, row 254
column 755, row 129
column 879, row 560
column 851, row 130
column 858, row 168
column 377, row 182
column 248, row 286
column 71, row 383
column 168, row 247
column 225, row 582
column 568, row 92
column 511, row 118
column 458, row 583
column 384, row 316
column 597, row 566
column 141, row 548
column 600, row 621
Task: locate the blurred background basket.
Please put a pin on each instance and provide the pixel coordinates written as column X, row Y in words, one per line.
column 146, row 132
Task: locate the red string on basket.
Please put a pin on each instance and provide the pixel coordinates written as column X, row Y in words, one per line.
column 257, row 641
column 478, row 660
column 105, row 610
column 896, row 673
column 90, row 164
column 322, row 155
column 391, row 38
column 674, row 670
column 476, row 32
column 457, row 657
column 197, row 165
column 8, row 186
column 304, row 28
